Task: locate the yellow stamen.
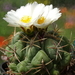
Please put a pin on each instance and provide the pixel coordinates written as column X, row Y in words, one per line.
column 26, row 19
column 41, row 20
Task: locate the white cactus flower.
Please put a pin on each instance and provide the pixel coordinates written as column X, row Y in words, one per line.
column 33, row 14
column 49, row 16
column 25, row 16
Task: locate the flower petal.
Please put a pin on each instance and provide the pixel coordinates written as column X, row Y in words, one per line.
column 50, row 15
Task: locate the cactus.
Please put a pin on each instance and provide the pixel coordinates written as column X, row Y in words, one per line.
column 32, row 55
column 35, row 50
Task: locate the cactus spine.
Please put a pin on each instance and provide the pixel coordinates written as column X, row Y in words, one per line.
column 45, row 53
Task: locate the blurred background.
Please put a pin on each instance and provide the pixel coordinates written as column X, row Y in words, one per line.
column 66, row 23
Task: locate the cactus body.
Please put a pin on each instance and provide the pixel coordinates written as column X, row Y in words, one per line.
column 34, row 56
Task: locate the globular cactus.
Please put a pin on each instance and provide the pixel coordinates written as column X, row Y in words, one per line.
column 35, row 50
column 36, row 55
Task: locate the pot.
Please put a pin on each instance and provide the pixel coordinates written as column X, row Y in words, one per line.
column 3, row 68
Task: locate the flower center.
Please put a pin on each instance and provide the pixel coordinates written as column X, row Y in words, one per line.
column 41, row 20
column 26, row 19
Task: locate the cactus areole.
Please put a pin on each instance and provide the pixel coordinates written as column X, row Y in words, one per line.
column 34, row 50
